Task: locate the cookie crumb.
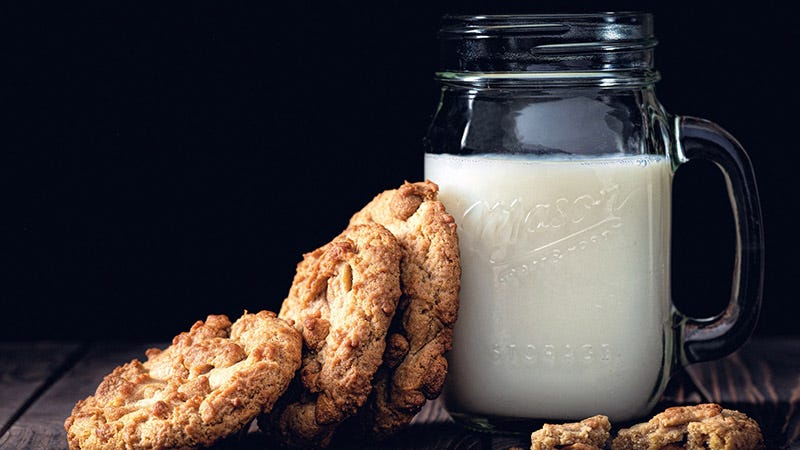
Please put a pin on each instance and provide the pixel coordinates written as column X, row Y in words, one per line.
column 589, row 434
column 706, row 426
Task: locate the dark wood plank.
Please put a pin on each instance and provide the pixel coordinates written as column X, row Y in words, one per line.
column 42, row 424
column 26, row 370
column 762, row 380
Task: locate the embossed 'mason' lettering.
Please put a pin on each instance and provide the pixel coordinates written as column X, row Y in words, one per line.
column 516, row 236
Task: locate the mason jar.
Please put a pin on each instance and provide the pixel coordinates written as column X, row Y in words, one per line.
column 556, row 159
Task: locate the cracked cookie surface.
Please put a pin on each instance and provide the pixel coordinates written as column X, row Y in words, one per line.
column 210, row 383
column 342, row 300
column 414, row 366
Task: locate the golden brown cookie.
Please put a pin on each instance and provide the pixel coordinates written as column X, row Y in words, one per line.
column 701, row 427
column 414, row 366
column 210, row 383
column 588, row 434
column 342, row 299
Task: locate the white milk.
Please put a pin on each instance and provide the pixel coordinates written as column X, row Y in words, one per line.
column 565, row 297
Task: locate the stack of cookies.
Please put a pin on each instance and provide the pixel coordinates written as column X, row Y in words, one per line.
column 358, row 343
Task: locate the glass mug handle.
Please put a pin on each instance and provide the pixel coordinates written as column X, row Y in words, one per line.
column 704, row 339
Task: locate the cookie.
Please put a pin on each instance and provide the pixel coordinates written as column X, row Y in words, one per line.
column 588, row 434
column 342, row 300
column 700, row 427
column 210, row 383
column 414, row 366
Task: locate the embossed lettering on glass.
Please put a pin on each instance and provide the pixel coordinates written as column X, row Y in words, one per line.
column 556, row 159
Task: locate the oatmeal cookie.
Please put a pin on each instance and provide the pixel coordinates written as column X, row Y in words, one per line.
column 210, row 383
column 342, row 300
column 414, row 365
column 588, row 434
column 701, row 427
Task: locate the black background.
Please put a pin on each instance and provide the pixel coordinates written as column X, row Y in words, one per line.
column 171, row 161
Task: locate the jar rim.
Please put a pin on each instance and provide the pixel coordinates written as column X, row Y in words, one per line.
column 563, row 45
column 593, row 22
column 620, row 13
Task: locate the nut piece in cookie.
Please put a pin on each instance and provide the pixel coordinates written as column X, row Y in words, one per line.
column 414, row 366
column 210, row 383
column 342, row 299
column 588, row 434
column 701, row 427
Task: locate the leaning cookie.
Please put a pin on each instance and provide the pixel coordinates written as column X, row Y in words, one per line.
column 209, row 384
column 342, row 299
column 414, row 366
column 588, row 434
column 701, row 427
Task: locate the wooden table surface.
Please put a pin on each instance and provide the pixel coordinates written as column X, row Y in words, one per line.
column 41, row 381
